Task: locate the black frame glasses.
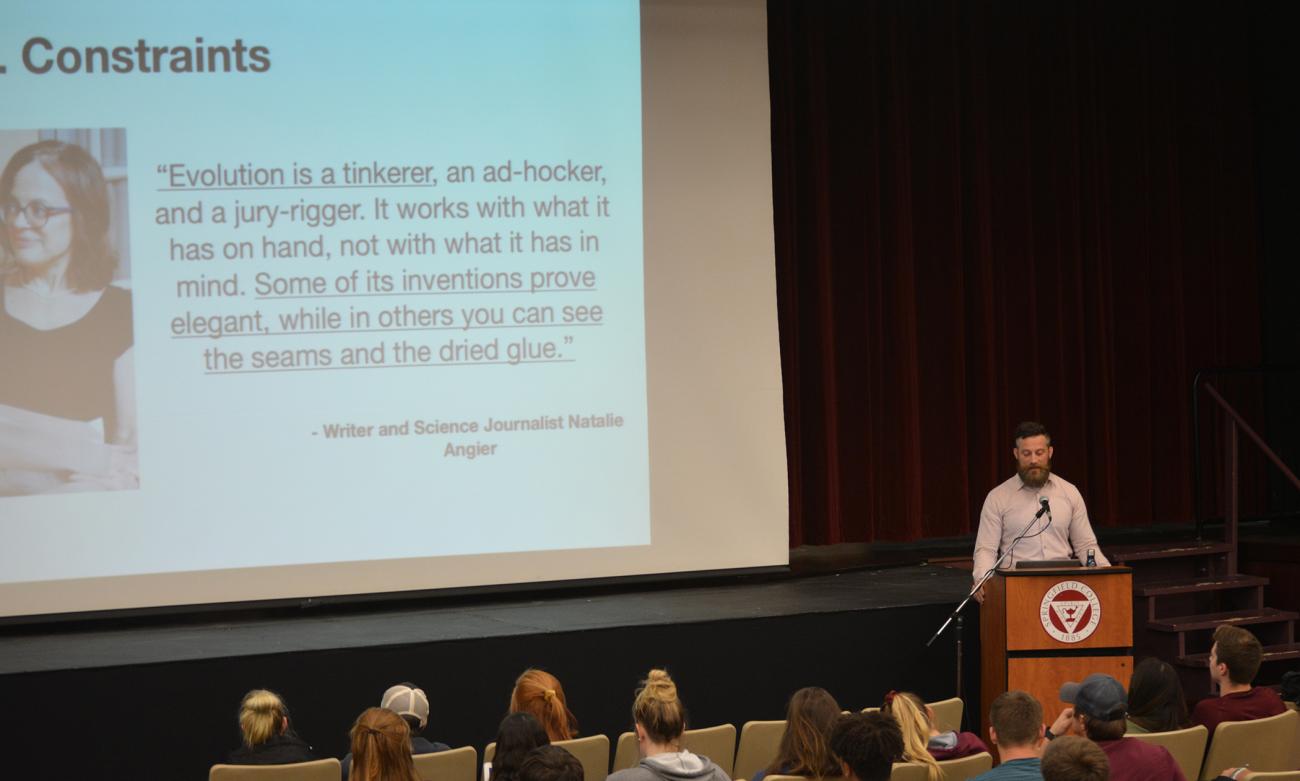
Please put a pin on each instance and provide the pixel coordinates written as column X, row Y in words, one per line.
column 38, row 213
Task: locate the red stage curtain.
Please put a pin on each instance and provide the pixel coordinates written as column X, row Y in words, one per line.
column 994, row 211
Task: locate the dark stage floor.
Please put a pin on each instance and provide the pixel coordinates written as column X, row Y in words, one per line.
column 38, row 650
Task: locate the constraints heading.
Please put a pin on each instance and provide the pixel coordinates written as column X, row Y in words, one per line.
column 41, row 56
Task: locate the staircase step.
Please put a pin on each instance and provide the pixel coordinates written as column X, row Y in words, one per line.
column 1192, row 585
column 1267, row 615
column 1127, row 553
column 1272, row 653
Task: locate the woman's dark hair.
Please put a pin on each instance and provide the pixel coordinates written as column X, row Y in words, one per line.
column 518, row 734
column 1155, row 697
column 92, row 260
column 805, row 747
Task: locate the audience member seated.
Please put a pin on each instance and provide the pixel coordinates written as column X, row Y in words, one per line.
column 1016, row 728
column 1291, row 686
column 1072, row 758
column 268, row 738
column 518, row 734
column 412, row 705
column 1234, row 661
column 805, row 746
column 550, row 763
column 916, row 720
column 660, row 720
column 866, row 746
column 1098, row 714
column 540, row 693
column 381, row 747
column 1155, row 698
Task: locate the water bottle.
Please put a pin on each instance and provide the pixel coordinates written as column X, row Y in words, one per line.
column 1092, row 558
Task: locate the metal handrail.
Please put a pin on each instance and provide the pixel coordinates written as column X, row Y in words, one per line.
column 1233, row 422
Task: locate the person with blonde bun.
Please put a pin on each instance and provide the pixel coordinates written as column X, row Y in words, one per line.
column 268, row 738
column 381, row 747
column 660, row 720
column 539, row 693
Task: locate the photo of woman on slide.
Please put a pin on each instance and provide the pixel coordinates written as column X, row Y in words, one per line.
column 67, row 382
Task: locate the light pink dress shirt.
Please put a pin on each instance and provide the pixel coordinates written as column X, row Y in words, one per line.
column 1010, row 507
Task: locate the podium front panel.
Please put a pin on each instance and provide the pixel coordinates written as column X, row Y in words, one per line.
column 1069, row 609
column 1042, row 677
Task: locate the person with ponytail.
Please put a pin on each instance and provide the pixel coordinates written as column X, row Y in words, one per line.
column 805, row 747
column 540, row 693
column 916, row 722
column 660, row 719
column 381, row 747
column 268, row 738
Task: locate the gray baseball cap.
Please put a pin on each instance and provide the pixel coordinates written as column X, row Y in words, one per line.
column 1098, row 696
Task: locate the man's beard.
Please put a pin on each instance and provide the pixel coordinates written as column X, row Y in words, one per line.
column 1036, row 477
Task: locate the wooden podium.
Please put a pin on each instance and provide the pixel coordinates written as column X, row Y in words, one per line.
column 1042, row 627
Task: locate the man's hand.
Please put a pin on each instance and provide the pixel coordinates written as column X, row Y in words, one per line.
column 1064, row 723
column 979, row 595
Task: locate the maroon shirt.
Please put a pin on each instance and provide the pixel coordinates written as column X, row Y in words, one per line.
column 1134, row 760
column 1258, row 703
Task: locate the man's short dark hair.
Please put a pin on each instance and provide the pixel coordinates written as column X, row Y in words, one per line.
column 1018, row 718
column 1030, row 428
column 550, row 763
column 869, row 743
column 1239, row 650
column 1072, row 758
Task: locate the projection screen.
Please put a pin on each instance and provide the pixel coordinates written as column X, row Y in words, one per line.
column 313, row 299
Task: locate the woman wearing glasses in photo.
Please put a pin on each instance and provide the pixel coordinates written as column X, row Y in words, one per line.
column 67, row 392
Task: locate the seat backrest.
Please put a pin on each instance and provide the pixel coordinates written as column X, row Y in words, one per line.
column 317, row 770
column 593, row 752
column 909, row 771
column 457, row 764
column 759, row 742
column 871, row 710
column 717, row 743
column 1286, row 775
column 1264, row 744
column 966, row 767
column 490, row 752
column 947, row 714
column 625, row 755
column 1187, row 746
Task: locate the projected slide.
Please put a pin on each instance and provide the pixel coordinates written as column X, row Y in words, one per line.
column 300, row 282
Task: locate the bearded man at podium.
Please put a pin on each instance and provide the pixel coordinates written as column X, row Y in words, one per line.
column 1034, row 497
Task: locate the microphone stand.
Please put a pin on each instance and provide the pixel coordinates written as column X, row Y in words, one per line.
column 955, row 615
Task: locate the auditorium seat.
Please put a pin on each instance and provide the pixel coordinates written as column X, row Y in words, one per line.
column 457, row 764
column 717, row 743
column 759, row 742
column 1187, row 746
column 909, row 771
column 318, row 770
column 1281, row 775
column 625, row 752
column 593, row 752
column 1263, row 744
column 947, row 714
column 966, row 767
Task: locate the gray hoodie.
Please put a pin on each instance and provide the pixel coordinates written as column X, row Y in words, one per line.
column 681, row 766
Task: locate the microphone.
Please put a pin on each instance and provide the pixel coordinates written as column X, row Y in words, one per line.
column 1042, row 507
